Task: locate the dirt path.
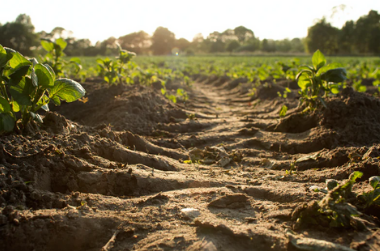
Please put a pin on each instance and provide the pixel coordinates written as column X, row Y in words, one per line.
column 98, row 187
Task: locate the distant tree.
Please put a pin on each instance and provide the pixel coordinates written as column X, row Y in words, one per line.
column 252, row 44
column 215, row 42
column 268, row 45
column 137, row 42
column 78, row 47
column 346, row 38
column 198, row 44
column 107, row 47
column 217, row 46
column 324, row 37
column 243, row 34
column 163, row 41
column 297, row 45
column 283, row 45
column 19, row 35
column 182, row 44
column 367, row 33
column 232, row 45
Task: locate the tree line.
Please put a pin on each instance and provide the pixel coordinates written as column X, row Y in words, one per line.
column 355, row 37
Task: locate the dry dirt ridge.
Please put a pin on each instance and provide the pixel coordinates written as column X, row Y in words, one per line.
column 112, row 173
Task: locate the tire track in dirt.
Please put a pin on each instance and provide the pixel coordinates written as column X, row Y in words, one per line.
column 121, row 190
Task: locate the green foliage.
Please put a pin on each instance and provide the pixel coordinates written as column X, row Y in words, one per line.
column 116, row 70
column 333, row 210
column 371, row 198
column 283, row 111
column 182, row 94
column 55, row 54
column 318, row 80
column 27, row 86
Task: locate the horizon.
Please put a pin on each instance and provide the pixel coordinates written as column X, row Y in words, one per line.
column 186, row 22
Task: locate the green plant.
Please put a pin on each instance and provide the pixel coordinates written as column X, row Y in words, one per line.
column 283, row 111
column 54, row 56
column 372, row 197
column 285, row 94
column 291, row 170
column 112, row 71
column 318, row 80
column 333, row 210
column 27, row 86
column 182, row 94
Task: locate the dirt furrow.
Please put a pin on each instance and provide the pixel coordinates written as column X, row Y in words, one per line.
column 206, row 174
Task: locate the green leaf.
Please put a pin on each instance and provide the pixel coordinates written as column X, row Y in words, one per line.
column 20, row 92
column 67, row 89
column 163, row 91
column 172, row 98
column 283, row 111
column 331, row 184
column 355, row 175
column 374, row 181
column 304, row 81
column 336, row 75
column 47, row 45
column 56, row 100
column 78, row 67
column 45, row 79
column 18, row 60
column 301, row 73
column 318, row 60
column 7, row 122
column 329, row 67
column 362, row 88
column 76, row 60
column 18, row 74
column 52, row 73
column 61, row 42
column 334, row 90
column 100, row 61
column 34, row 78
column 4, row 105
column 3, row 56
column 20, row 97
column 15, row 106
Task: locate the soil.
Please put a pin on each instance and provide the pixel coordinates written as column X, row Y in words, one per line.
column 129, row 170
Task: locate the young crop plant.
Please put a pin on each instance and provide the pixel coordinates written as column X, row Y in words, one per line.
column 334, row 210
column 26, row 87
column 164, row 92
column 54, row 56
column 182, row 94
column 371, row 198
column 318, row 80
column 114, row 71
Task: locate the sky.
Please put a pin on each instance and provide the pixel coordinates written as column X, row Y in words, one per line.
column 99, row 20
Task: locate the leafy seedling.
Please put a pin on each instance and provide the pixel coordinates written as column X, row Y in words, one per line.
column 371, row 198
column 318, row 80
column 333, row 210
column 28, row 86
